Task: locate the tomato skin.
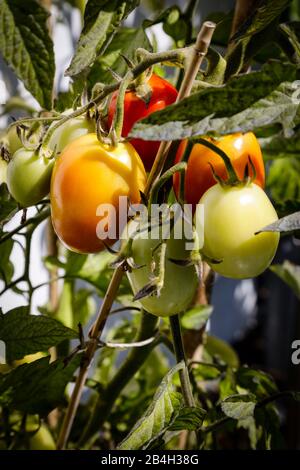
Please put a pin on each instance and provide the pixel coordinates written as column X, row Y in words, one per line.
column 28, row 177
column 69, row 131
column 199, row 177
column 42, row 440
column 163, row 94
column 180, row 282
column 232, row 216
column 86, row 174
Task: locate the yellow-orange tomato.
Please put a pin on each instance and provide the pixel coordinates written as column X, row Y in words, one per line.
column 199, row 176
column 87, row 175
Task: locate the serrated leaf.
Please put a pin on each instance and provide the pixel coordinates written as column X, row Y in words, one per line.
column 239, row 407
column 228, row 108
column 290, row 39
column 283, row 180
column 196, row 318
column 262, row 21
column 158, row 416
column 26, row 334
column 188, row 418
column 280, row 146
column 126, row 42
column 101, row 21
column 37, row 387
column 289, row 273
column 27, row 47
column 256, row 381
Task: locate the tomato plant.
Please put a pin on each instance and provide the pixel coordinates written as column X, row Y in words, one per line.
column 28, row 177
column 86, row 175
column 232, row 218
column 132, row 342
column 136, row 108
column 199, row 177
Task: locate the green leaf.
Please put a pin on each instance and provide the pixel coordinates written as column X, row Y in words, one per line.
column 37, row 387
column 196, row 318
column 288, row 223
column 289, row 273
column 8, row 206
column 6, row 266
column 261, row 22
column 220, row 109
column 26, row 334
column 239, row 407
column 101, row 21
column 158, row 416
column 284, row 181
column 124, row 42
column 290, row 40
column 27, row 47
column 280, row 146
column 218, row 348
column 256, row 381
column 188, row 418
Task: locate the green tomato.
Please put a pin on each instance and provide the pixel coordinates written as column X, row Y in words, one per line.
column 3, row 171
column 14, row 143
column 232, row 216
column 42, row 440
column 180, row 282
column 71, row 130
column 28, row 177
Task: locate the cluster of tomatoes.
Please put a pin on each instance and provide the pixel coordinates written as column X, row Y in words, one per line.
column 88, row 173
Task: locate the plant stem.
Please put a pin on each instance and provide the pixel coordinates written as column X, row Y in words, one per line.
column 88, row 356
column 199, row 51
column 180, row 357
column 130, row 366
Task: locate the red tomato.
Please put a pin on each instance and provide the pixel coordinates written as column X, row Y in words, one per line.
column 163, row 94
column 199, row 177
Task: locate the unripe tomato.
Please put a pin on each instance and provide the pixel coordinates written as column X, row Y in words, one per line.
column 3, row 171
column 87, row 174
column 14, row 143
column 180, row 282
column 42, row 439
column 28, row 177
column 199, row 176
column 232, row 216
column 69, row 131
column 163, row 94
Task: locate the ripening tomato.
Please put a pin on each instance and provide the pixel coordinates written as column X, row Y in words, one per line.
column 199, row 176
column 180, row 281
column 163, row 94
column 88, row 175
column 69, row 131
column 232, row 216
column 28, row 177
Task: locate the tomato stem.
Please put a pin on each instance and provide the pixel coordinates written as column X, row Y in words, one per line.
column 180, row 357
column 178, row 168
column 233, row 179
column 117, row 123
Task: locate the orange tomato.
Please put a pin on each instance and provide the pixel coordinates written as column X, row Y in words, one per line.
column 86, row 175
column 199, row 177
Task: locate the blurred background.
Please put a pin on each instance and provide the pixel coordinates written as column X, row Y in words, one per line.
column 261, row 317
